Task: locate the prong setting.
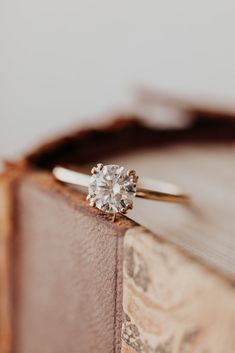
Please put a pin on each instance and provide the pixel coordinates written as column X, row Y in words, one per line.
column 93, row 170
column 97, row 169
column 112, row 188
column 131, row 172
column 92, row 203
column 129, row 206
column 133, row 177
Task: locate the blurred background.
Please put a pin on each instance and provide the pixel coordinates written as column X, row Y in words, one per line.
column 73, row 62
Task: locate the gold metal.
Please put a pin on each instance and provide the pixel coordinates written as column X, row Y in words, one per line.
column 146, row 188
column 131, row 172
column 160, row 191
column 129, row 206
column 71, row 177
column 100, row 166
column 96, row 169
column 93, row 170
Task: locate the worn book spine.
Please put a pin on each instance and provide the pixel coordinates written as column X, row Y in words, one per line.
column 6, row 262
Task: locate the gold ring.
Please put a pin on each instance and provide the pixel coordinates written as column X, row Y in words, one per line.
column 112, row 188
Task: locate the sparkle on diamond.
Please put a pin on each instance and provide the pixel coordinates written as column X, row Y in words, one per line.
column 111, row 189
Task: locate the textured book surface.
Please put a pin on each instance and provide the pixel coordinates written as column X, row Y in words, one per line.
column 205, row 227
column 72, row 280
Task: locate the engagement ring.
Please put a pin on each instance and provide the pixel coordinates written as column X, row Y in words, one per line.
column 112, row 188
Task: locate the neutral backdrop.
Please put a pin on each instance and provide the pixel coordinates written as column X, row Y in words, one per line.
column 72, row 62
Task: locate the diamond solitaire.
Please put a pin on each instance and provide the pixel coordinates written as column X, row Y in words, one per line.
column 112, row 188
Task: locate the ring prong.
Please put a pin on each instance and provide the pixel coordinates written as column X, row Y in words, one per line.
column 100, row 166
column 92, row 203
column 93, row 170
column 136, row 178
column 123, row 211
column 88, row 197
column 131, row 172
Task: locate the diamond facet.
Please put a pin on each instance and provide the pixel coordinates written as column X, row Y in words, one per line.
column 112, row 189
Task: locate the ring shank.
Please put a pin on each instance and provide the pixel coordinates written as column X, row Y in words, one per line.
column 160, row 191
column 146, row 188
column 71, row 176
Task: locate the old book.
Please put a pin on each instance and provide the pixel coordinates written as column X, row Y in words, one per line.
column 161, row 280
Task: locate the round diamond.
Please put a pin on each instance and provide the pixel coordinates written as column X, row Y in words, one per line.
column 112, row 189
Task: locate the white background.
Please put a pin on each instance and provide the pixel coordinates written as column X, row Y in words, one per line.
column 66, row 62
